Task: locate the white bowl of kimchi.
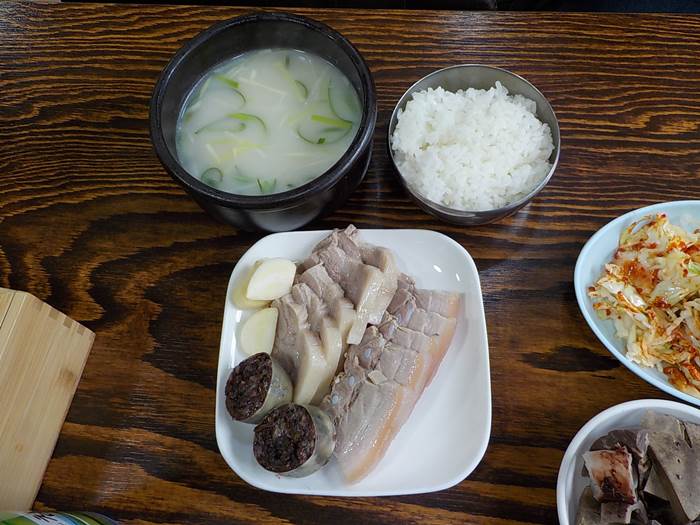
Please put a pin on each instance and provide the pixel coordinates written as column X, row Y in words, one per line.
column 637, row 283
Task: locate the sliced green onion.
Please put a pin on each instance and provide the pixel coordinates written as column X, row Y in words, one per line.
column 222, row 124
column 247, row 117
column 694, row 268
column 352, row 102
column 228, row 81
column 330, row 102
column 335, row 122
column 239, row 177
column 304, row 91
column 349, row 101
column 299, row 87
column 322, row 140
column 267, row 186
column 212, row 177
column 306, row 139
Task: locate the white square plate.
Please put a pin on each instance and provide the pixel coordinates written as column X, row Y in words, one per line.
column 446, row 435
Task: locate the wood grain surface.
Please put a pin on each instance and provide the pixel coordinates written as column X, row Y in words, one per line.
column 93, row 225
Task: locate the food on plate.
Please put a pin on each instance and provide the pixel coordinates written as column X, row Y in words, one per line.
column 271, row 279
column 367, row 275
column 645, row 475
column 385, row 374
column 611, row 474
column 256, row 385
column 651, row 291
column 258, row 332
column 343, row 285
column 294, row 440
column 473, row 150
column 239, row 292
column 358, row 339
column 267, row 121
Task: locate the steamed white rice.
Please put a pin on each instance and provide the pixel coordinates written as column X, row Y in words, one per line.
column 472, row 150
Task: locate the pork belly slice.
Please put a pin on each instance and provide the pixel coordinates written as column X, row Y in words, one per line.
column 364, row 433
column 332, row 295
column 381, row 258
column 366, row 424
column 347, row 240
column 300, row 351
column 316, row 309
column 328, row 332
column 612, row 479
column 388, row 354
column 312, row 375
column 367, row 274
column 418, row 319
column 436, row 346
column 408, row 366
column 360, row 282
column 443, row 303
column 292, row 320
column 369, row 349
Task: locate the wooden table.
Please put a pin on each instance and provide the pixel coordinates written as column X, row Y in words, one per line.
column 92, row 224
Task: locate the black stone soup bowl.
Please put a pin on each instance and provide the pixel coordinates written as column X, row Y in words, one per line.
column 278, row 211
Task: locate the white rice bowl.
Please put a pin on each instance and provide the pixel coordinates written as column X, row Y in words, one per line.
column 472, row 150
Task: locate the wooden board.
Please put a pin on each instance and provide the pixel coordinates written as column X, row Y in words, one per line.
column 42, row 355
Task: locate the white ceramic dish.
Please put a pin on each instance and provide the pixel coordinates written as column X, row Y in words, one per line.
column 596, row 253
column 571, row 482
column 448, row 431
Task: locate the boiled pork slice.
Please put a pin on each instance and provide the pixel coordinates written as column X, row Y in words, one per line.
column 391, row 359
column 312, row 375
column 360, row 282
column 364, row 430
column 292, row 320
column 407, row 313
column 348, row 240
column 443, row 303
column 333, row 296
column 611, row 475
column 298, row 349
column 328, row 332
column 636, row 442
column 367, row 274
column 410, row 315
column 381, row 258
